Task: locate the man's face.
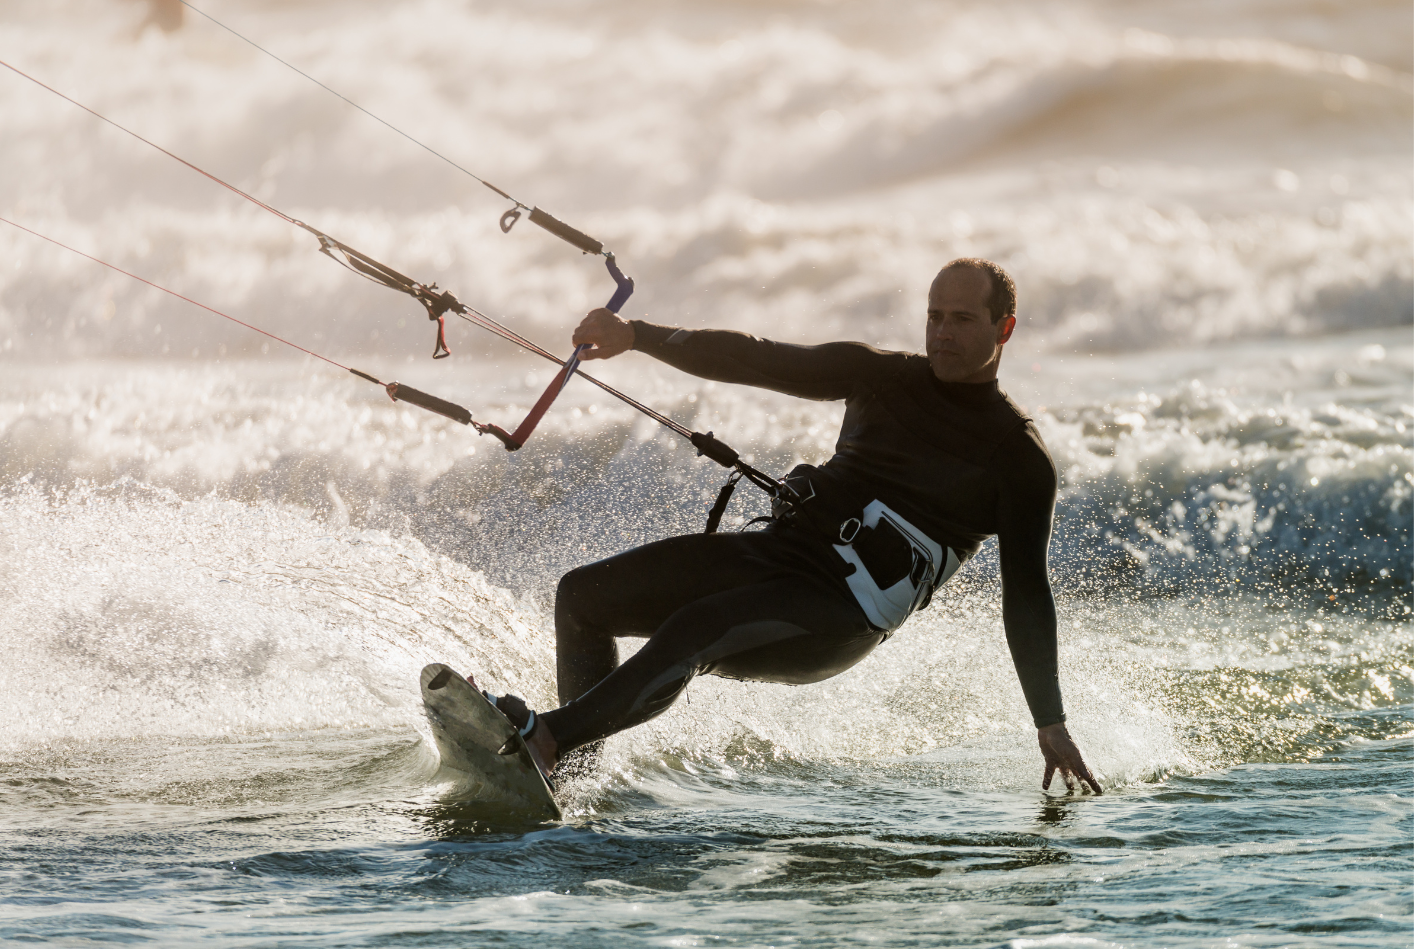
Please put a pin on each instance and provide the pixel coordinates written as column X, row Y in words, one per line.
column 963, row 343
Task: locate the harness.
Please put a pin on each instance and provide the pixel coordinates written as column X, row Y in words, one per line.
column 897, row 566
column 892, row 568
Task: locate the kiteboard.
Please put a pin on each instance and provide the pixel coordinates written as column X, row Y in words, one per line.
column 475, row 739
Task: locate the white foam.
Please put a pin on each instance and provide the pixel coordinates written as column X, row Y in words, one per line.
column 132, row 614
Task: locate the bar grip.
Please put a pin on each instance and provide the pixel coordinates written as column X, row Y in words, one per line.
column 401, row 393
column 566, row 233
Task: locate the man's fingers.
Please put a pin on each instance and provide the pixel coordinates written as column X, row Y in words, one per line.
column 589, row 328
column 1063, row 755
column 604, row 333
column 1079, row 778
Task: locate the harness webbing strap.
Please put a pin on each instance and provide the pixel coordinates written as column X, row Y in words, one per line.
column 719, row 506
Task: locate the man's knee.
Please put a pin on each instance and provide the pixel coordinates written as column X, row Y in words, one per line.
column 573, row 590
column 579, row 630
column 660, row 695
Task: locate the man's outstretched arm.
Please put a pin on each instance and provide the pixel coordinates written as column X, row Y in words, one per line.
column 1028, row 491
column 827, row 371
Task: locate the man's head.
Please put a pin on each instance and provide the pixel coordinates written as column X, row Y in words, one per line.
column 971, row 313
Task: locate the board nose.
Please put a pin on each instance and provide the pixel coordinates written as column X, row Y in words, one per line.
column 436, row 675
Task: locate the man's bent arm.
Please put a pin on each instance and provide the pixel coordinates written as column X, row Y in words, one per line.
column 1027, row 479
column 824, row 372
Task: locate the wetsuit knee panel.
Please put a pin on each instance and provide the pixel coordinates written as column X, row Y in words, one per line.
column 661, row 691
column 663, row 696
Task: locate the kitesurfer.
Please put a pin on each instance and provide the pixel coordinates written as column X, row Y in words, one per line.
column 932, row 459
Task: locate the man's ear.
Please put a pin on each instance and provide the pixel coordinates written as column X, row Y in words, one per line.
column 1004, row 329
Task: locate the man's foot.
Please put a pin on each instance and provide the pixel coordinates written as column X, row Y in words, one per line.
column 543, row 748
column 544, row 751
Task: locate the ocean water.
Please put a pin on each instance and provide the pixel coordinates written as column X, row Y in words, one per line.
column 223, row 564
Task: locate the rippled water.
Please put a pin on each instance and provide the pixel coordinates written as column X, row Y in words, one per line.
column 212, row 725
column 335, row 840
column 221, row 570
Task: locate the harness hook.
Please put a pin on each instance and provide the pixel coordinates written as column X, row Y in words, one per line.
column 509, row 219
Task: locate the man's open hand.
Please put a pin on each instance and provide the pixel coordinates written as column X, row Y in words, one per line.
column 605, row 332
column 1063, row 754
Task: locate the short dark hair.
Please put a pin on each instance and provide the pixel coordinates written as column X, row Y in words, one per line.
column 1001, row 302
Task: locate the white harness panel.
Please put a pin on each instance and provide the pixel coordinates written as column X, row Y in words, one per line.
column 933, row 565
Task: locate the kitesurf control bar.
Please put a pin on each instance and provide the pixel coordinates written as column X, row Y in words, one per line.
column 438, row 304
column 562, row 378
column 444, row 301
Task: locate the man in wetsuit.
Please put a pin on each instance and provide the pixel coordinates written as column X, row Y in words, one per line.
column 932, row 459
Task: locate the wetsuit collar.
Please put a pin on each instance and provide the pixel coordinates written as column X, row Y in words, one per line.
column 972, row 393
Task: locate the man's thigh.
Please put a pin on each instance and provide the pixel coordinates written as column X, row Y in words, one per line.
column 787, row 629
column 635, row 592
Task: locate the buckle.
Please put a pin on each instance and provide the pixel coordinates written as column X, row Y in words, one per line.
column 921, row 569
column 853, row 532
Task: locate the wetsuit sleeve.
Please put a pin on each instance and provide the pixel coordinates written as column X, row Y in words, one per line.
column 824, row 372
column 1027, row 479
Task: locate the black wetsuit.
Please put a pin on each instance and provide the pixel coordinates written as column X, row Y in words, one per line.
column 959, row 461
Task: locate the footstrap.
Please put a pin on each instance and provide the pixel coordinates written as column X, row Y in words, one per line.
column 516, row 711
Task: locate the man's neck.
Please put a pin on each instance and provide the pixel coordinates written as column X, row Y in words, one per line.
column 971, row 392
column 987, row 373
